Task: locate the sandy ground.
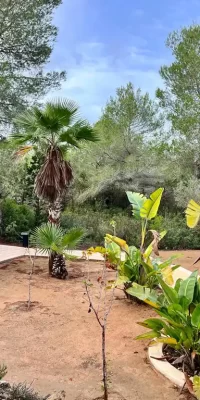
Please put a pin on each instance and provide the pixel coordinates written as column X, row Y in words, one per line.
column 186, row 259
column 56, row 345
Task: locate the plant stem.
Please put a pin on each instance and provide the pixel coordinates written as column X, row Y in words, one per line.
column 105, row 385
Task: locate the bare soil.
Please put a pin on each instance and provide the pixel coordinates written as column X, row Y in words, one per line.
column 56, row 345
column 186, row 259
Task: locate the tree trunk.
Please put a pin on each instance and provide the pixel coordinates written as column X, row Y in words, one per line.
column 51, row 258
column 105, row 384
column 57, row 265
column 55, row 211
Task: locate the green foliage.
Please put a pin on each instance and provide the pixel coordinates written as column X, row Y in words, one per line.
column 97, row 223
column 179, row 309
column 3, row 371
column 144, row 208
column 178, row 236
column 52, row 130
column 51, row 238
column 15, row 218
column 12, row 175
column 196, row 386
column 27, row 38
column 119, row 161
column 181, row 95
column 138, row 266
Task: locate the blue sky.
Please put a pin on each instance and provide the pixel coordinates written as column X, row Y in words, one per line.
column 103, row 44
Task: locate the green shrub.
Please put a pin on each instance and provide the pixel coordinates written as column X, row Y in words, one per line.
column 97, row 224
column 15, row 218
column 178, row 236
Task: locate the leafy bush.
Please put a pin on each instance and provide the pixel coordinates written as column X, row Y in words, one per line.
column 15, row 218
column 97, row 224
column 178, row 236
column 179, row 322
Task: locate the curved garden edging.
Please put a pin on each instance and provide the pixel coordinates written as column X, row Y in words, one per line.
column 155, row 351
column 164, row 367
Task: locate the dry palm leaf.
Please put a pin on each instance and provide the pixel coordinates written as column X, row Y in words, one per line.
column 54, row 176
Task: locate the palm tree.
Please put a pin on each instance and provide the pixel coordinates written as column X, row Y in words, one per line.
column 54, row 130
column 51, row 239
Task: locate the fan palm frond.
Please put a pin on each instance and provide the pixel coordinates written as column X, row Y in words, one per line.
column 46, row 237
column 27, row 121
column 81, row 130
column 50, row 237
column 23, row 150
column 65, row 111
column 72, row 238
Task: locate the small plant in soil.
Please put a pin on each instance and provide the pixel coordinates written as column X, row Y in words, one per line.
column 51, row 239
column 102, row 307
column 178, row 327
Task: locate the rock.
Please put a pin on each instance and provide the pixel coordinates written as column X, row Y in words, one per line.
column 57, row 396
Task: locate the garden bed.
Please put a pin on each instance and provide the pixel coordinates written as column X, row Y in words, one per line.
column 56, row 345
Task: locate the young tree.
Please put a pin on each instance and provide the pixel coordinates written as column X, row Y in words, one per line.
column 27, row 37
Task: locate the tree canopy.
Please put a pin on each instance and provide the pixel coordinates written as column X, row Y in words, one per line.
column 27, row 36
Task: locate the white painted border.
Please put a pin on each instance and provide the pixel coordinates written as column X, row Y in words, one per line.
column 164, row 367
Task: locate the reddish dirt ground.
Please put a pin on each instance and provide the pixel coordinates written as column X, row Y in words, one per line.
column 56, row 345
column 186, row 259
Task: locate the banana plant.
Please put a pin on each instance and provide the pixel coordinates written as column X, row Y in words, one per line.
column 192, row 214
column 145, row 208
column 179, row 312
column 138, row 267
column 111, row 253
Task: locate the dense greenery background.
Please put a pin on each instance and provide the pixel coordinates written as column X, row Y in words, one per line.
column 143, row 143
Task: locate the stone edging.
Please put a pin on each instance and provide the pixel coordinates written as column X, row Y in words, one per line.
column 164, row 367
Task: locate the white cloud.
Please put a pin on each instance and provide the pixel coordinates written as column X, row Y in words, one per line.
column 96, row 77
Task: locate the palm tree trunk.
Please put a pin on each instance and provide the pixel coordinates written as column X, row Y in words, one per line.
column 57, row 265
column 55, row 211
column 51, row 259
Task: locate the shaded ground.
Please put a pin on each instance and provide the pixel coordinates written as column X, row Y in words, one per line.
column 56, row 345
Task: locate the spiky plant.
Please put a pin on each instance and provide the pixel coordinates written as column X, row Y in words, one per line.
column 51, row 239
column 54, row 130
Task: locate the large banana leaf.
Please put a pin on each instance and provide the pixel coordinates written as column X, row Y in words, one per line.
column 167, row 340
column 145, row 294
column 186, row 289
column 170, row 293
column 137, row 200
column 148, row 335
column 120, row 242
column 192, row 214
column 151, row 205
column 196, row 386
column 196, row 317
